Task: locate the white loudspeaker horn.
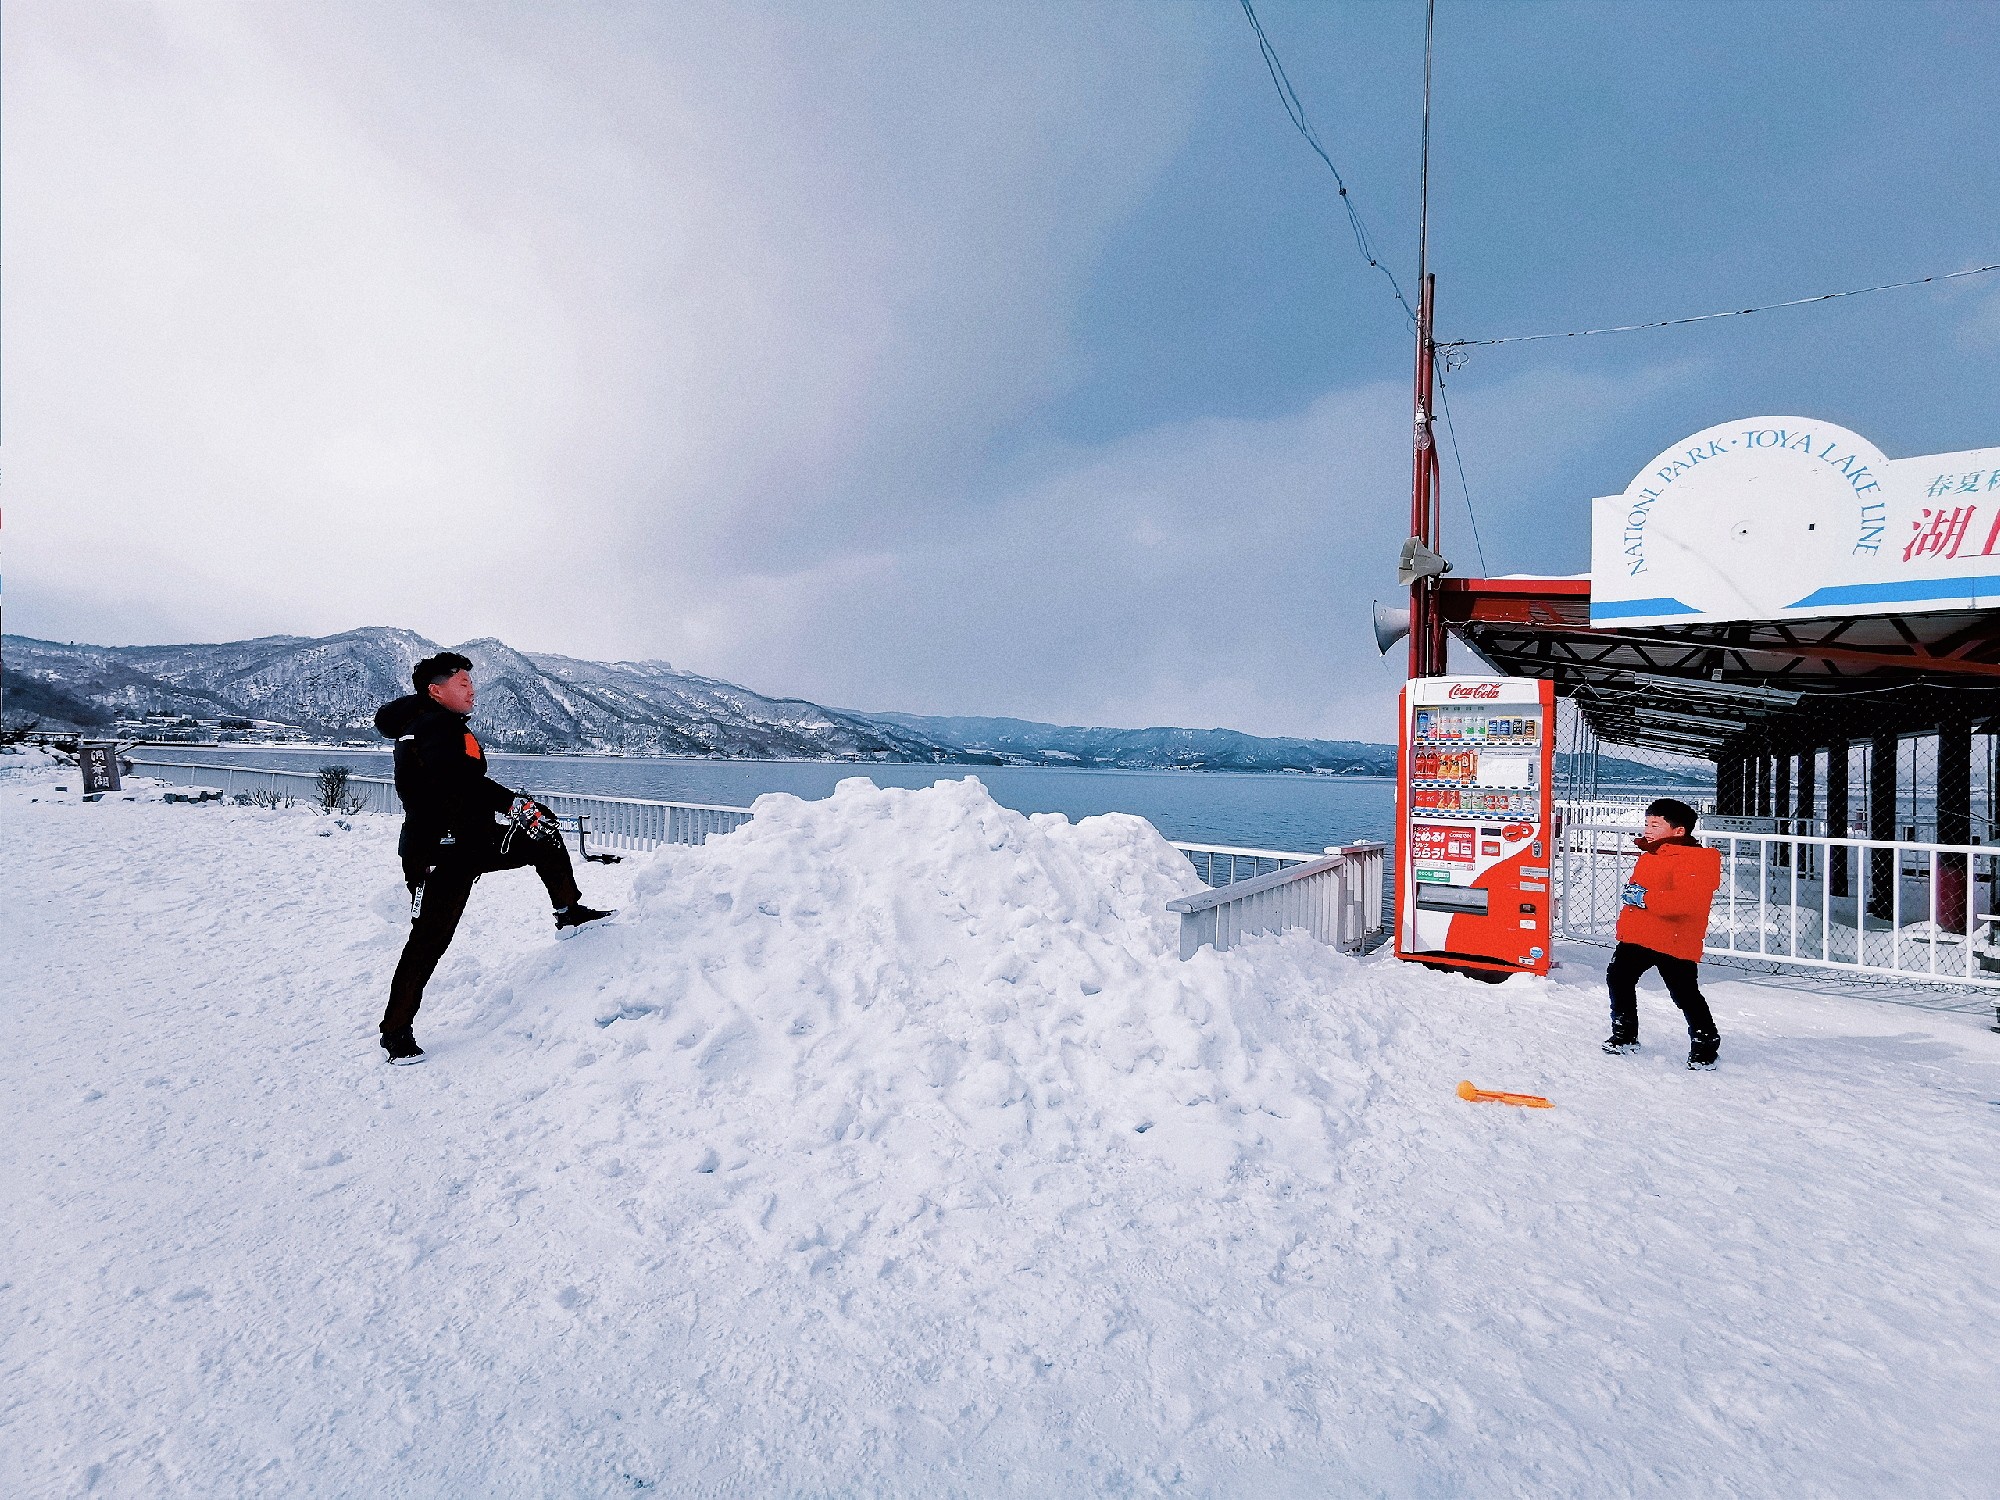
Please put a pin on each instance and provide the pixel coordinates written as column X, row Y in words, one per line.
column 1418, row 561
column 1391, row 625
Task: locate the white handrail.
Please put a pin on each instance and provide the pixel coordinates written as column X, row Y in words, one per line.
column 1286, row 855
column 628, row 823
column 1336, row 898
column 1895, row 907
column 636, row 824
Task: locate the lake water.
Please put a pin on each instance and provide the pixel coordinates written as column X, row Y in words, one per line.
column 1267, row 811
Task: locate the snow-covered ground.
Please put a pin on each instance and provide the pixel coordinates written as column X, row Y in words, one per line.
column 884, row 1147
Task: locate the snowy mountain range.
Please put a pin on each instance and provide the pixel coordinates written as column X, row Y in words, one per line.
column 330, row 687
column 1135, row 749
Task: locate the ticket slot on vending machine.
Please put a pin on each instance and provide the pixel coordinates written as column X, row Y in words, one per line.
column 1477, row 755
column 1456, row 899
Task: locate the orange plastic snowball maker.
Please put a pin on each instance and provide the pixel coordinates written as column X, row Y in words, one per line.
column 1493, row 1096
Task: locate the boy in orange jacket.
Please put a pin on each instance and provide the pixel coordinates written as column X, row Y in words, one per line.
column 1662, row 927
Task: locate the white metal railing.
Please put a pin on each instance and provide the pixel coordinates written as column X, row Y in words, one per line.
column 626, row 823
column 636, row 824
column 1220, row 864
column 1868, row 906
column 369, row 793
column 1619, row 810
column 1336, row 898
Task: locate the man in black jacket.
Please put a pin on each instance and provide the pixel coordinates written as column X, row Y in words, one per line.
column 458, row 824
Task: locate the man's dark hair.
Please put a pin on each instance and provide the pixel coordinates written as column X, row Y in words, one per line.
column 436, row 668
column 1677, row 813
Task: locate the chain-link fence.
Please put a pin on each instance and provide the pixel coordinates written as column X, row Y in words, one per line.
column 1593, row 775
column 1877, row 854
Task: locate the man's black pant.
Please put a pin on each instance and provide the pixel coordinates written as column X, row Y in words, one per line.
column 440, row 900
column 1628, row 963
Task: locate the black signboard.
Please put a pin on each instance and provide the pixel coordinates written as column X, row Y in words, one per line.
column 99, row 760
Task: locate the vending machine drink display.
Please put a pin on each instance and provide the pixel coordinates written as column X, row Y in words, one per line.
column 1472, row 809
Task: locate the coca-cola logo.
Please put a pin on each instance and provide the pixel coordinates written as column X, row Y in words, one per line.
column 1474, row 690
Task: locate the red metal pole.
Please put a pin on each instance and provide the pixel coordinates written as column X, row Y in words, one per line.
column 1424, row 631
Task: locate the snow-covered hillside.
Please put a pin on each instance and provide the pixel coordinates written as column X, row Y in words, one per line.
column 532, row 701
column 884, row 1147
column 334, row 684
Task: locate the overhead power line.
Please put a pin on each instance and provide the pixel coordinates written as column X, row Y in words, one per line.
column 1735, row 312
column 1297, row 111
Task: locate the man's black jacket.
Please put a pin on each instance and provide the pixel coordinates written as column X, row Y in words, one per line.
column 448, row 799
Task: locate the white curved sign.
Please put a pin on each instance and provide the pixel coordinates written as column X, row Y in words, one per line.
column 1786, row 517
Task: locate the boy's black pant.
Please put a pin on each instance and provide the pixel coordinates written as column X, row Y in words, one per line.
column 1629, row 962
column 440, row 900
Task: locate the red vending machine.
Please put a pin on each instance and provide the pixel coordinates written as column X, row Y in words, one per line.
column 1476, row 756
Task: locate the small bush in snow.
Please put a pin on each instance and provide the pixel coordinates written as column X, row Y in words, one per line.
column 332, row 793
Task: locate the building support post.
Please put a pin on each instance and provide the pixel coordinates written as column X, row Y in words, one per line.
column 1803, row 811
column 1882, row 872
column 1781, row 799
column 1836, row 816
column 1954, row 819
column 1729, row 785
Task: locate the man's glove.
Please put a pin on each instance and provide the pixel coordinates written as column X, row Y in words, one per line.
column 533, row 819
column 1634, row 895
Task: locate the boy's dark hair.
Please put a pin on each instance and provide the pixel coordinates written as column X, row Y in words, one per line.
column 436, row 668
column 1677, row 813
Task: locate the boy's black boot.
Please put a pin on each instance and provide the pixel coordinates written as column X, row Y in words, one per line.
column 402, row 1047
column 1702, row 1049
column 1616, row 1043
column 576, row 914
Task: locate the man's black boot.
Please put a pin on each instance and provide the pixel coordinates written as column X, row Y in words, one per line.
column 1702, row 1049
column 576, row 914
column 402, row 1047
column 1616, row 1043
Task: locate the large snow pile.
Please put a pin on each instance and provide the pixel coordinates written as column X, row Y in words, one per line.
column 909, row 983
column 884, row 1147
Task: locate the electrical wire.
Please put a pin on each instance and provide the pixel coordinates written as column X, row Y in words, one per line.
column 1289, row 97
column 1739, row 312
column 1458, row 458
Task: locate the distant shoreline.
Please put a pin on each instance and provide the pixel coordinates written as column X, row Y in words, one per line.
column 1654, row 783
column 295, row 748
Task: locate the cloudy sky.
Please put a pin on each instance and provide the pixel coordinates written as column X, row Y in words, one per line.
column 945, row 357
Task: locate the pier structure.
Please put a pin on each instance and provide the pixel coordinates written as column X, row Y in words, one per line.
column 1821, row 625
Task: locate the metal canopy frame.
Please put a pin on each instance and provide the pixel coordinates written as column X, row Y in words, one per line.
column 1718, row 690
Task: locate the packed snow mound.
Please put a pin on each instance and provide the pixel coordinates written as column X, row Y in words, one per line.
column 31, row 762
column 928, row 971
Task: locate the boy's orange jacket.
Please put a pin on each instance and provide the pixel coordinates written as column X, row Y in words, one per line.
column 1680, row 877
